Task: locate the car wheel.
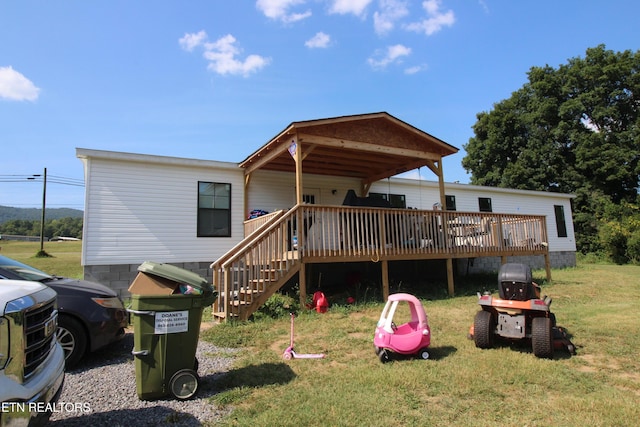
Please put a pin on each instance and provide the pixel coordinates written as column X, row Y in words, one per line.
column 72, row 339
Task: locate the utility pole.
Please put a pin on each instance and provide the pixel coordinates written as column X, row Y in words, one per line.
column 42, row 218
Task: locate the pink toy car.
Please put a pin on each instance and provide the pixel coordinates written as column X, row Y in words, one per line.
column 411, row 338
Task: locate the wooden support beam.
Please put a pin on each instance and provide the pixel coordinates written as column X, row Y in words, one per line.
column 547, row 265
column 247, row 181
column 450, row 280
column 385, row 279
column 302, row 282
column 366, row 147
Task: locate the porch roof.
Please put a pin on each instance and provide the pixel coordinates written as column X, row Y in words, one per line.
column 366, row 146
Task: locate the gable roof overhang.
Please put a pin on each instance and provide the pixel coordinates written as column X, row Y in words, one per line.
column 369, row 147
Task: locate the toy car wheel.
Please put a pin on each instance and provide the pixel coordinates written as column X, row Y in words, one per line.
column 287, row 355
column 484, row 326
column 377, row 350
column 184, row 384
column 384, row 356
column 542, row 337
column 424, row 354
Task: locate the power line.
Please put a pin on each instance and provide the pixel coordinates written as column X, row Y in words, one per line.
column 39, row 178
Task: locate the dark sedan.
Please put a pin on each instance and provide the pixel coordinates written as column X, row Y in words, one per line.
column 90, row 315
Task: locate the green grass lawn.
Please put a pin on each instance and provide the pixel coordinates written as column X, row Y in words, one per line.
column 459, row 386
column 64, row 259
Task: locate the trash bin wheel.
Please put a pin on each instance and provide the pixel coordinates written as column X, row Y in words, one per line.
column 184, row 384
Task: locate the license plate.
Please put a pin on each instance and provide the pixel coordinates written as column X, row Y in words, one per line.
column 50, row 327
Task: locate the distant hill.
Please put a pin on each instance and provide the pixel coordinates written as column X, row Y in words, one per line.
column 8, row 213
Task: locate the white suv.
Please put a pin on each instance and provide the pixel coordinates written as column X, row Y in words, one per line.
column 31, row 359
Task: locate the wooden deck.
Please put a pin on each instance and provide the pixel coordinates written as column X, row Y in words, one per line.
column 278, row 245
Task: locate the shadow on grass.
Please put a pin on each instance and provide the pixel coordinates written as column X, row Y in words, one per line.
column 256, row 376
column 152, row 416
column 435, row 353
column 562, row 345
column 439, row 353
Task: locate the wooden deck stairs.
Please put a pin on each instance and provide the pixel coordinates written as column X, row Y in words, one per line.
column 255, row 268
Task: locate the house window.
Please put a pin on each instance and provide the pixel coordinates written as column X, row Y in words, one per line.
column 398, row 201
column 451, row 202
column 309, row 199
column 484, row 203
column 395, row 200
column 214, row 209
column 561, row 224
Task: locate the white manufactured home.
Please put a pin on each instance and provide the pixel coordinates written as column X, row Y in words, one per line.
column 321, row 192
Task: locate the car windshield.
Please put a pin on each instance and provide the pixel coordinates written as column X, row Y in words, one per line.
column 26, row 272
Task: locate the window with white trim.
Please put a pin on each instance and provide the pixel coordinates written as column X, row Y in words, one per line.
column 214, row 209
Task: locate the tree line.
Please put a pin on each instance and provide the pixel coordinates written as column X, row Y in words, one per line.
column 62, row 227
column 572, row 129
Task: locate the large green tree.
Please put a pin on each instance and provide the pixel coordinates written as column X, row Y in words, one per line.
column 572, row 129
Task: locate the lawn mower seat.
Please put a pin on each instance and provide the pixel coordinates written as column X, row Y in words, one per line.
column 515, row 283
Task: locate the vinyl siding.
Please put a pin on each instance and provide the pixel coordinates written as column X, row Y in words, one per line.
column 140, row 207
column 148, row 211
column 276, row 190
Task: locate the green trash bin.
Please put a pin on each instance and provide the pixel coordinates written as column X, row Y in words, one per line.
column 166, row 327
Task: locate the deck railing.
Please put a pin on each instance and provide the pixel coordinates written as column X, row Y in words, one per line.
column 254, row 224
column 246, row 275
column 344, row 233
column 276, row 245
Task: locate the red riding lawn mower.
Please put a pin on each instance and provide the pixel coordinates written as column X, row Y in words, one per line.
column 519, row 314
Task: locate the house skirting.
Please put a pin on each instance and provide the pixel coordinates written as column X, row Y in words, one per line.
column 492, row 264
column 119, row 276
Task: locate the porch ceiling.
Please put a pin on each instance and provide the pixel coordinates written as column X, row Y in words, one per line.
column 367, row 146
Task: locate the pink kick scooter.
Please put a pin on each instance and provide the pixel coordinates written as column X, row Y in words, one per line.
column 289, row 353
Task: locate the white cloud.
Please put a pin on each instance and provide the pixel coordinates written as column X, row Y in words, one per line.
column 223, row 54
column 343, row 7
column 435, row 20
column 415, row 69
column 392, row 54
column 16, row 87
column 320, row 40
column 279, row 10
column 191, row 41
column 390, row 11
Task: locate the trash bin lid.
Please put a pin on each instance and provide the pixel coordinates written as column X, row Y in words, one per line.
column 176, row 274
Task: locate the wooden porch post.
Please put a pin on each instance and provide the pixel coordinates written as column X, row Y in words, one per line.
column 443, row 202
column 385, row 279
column 302, row 281
column 295, row 149
column 450, row 284
column 247, row 180
column 547, row 265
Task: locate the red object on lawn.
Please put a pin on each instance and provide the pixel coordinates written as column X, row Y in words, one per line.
column 320, row 302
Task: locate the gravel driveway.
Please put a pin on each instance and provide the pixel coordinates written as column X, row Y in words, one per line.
column 101, row 391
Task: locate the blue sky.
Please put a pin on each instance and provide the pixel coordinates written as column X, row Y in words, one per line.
column 216, row 79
